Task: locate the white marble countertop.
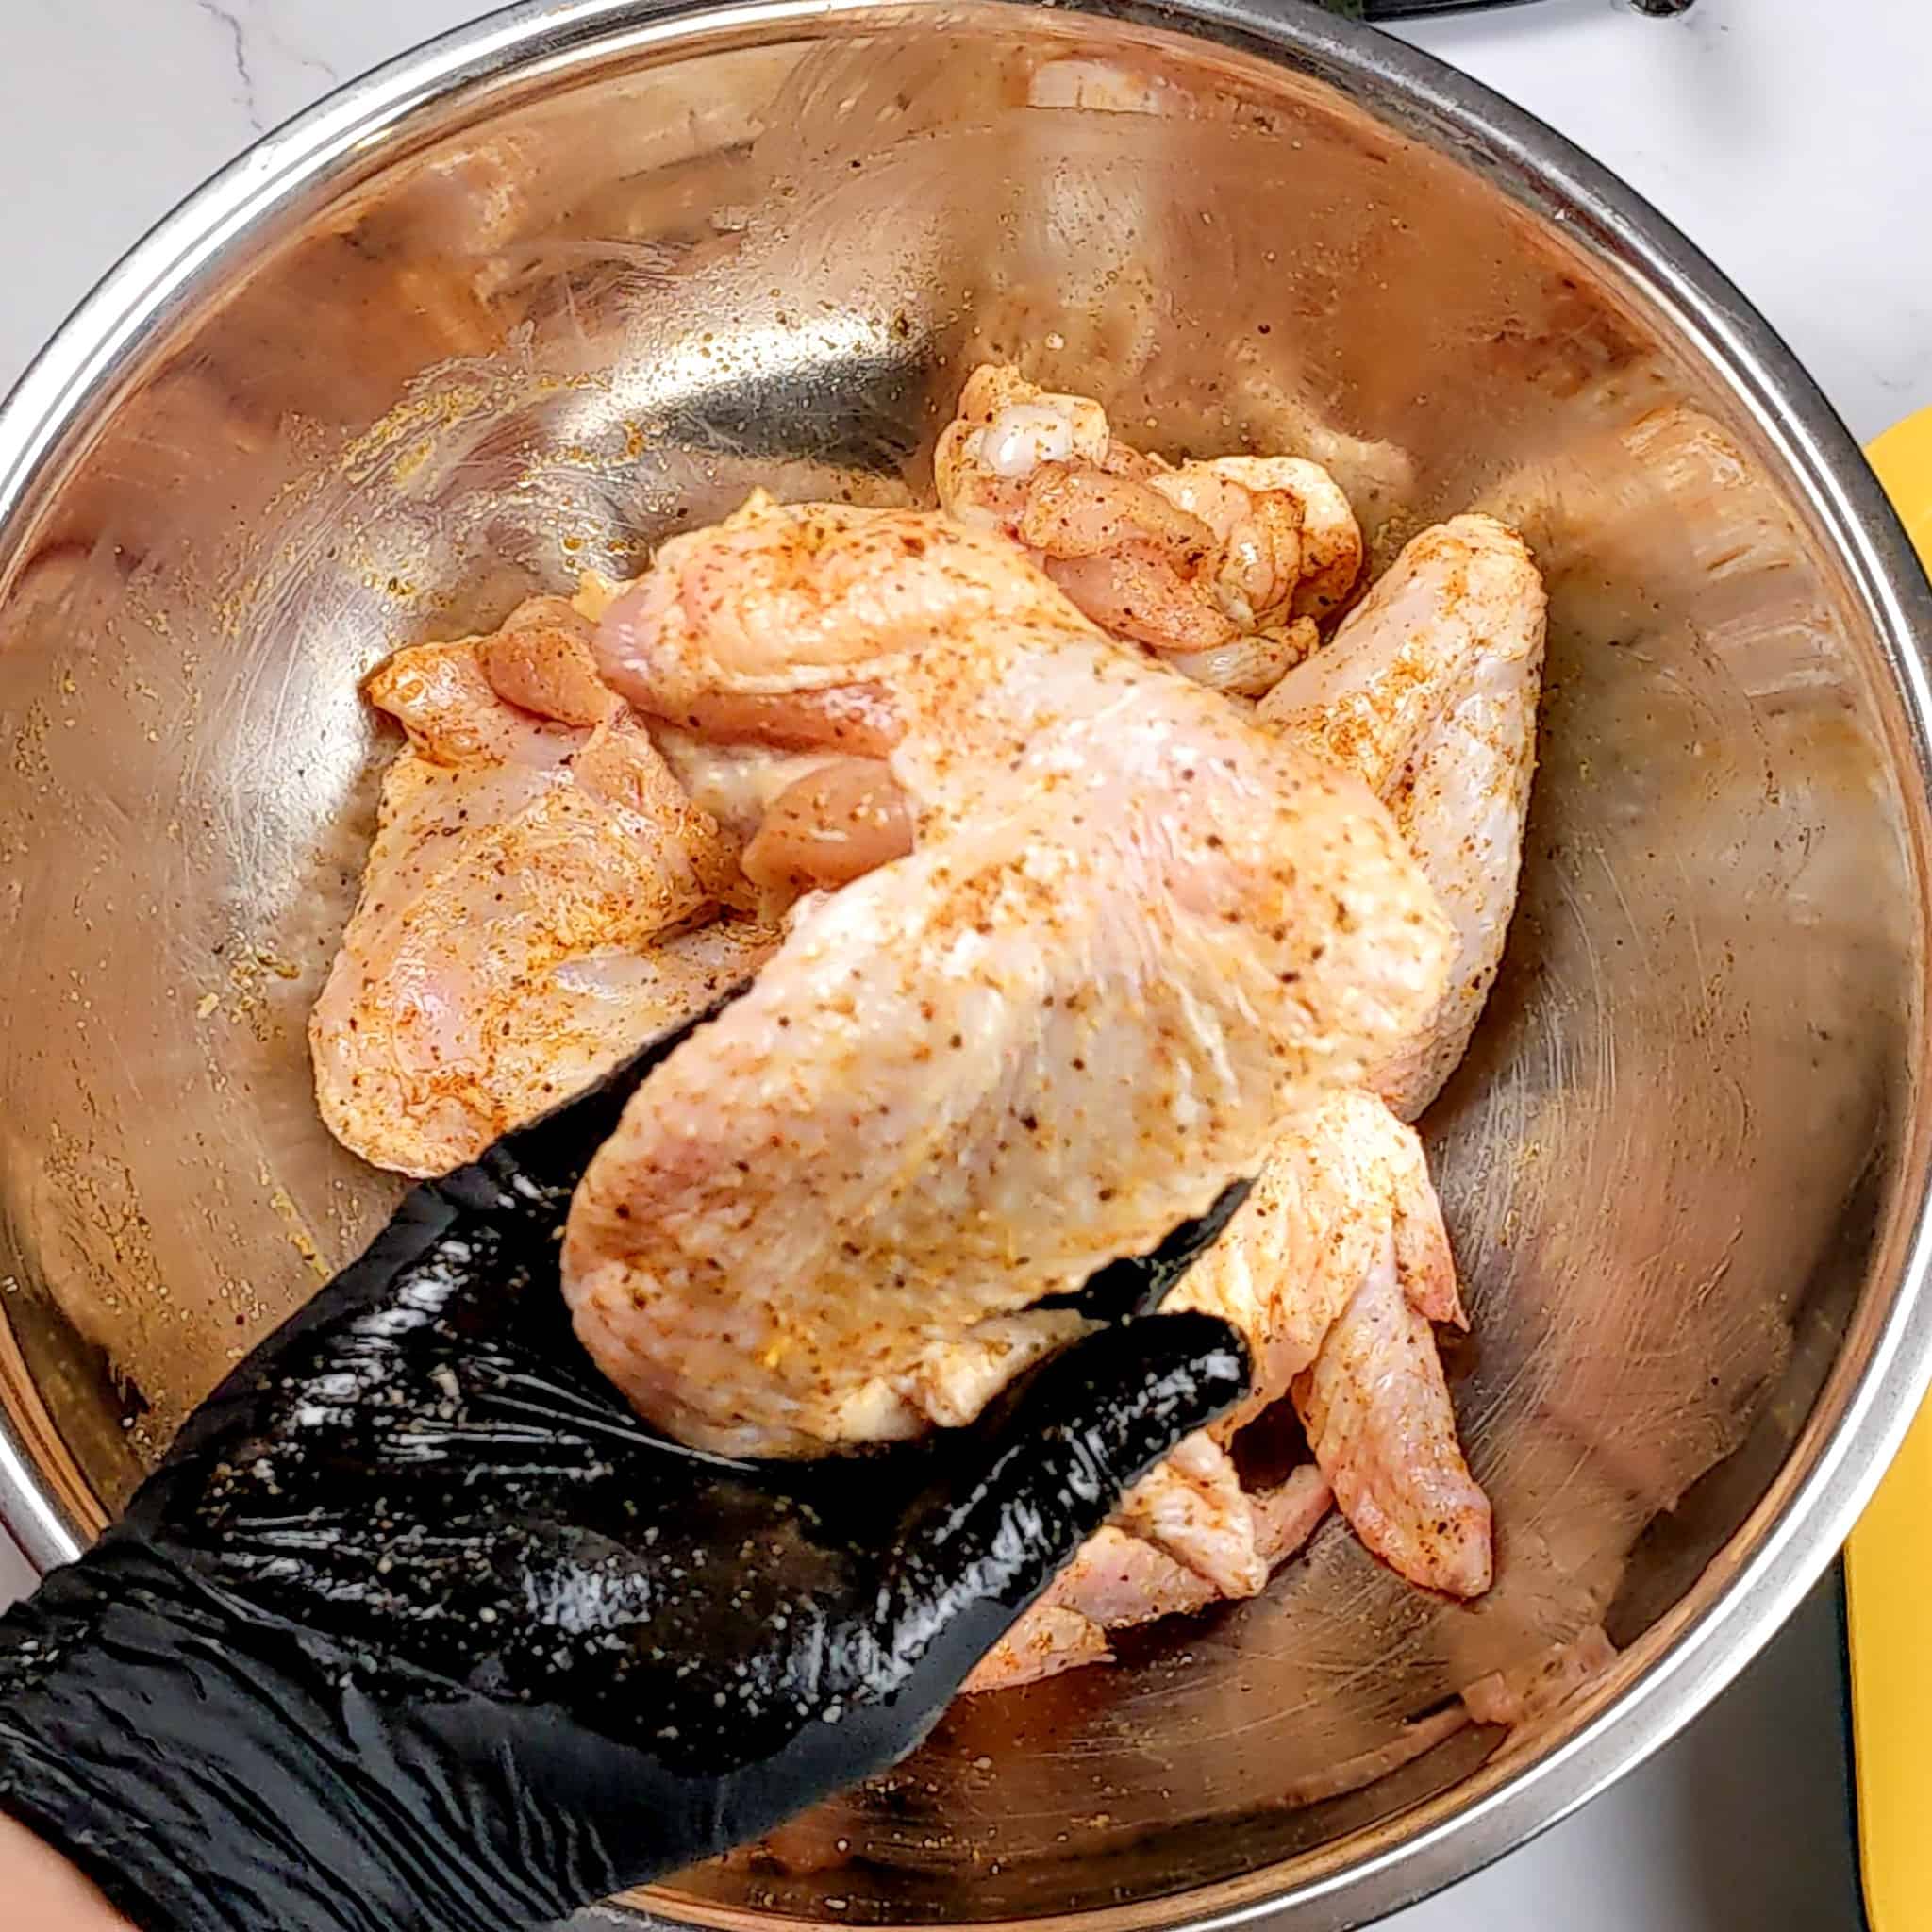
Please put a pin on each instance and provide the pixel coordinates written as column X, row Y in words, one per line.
column 1787, row 137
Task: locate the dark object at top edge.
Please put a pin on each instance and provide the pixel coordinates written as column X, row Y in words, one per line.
column 1418, row 9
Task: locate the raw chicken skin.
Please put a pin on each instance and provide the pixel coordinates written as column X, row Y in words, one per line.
column 1118, row 1579
column 1134, row 931
column 1221, row 565
column 1192, row 1507
column 523, row 914
column 1428, row 693
column 1377, row 1412
column 1333, row 1269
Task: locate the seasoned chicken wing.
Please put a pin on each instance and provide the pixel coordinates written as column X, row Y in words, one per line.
column 1337, row 1266
column 1377, row 1412
column 533, row 905
column 1220, row 565
column 1119, row 1579
column 1133, row 931
column 1334, row 1270
column 1428, row 692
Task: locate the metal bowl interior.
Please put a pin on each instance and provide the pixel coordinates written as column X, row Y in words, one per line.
column 587, row 272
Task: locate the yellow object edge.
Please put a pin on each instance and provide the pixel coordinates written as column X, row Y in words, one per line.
column 1888, row 1558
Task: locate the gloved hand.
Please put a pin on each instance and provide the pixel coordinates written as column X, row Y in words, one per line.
column 417, row 1629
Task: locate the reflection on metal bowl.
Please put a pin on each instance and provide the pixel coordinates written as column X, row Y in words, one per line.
column 586, row 272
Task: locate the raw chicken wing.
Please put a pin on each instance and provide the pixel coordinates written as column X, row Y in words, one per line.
column 1334, row 1267
column 1132, row 933
column 1428, row 692
column 1119, row 1579
column 526, row 912
column 1222, row 566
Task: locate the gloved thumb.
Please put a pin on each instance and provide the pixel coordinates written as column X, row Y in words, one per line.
column 1041, row 1472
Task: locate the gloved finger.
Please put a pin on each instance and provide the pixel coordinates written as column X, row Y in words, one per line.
column 1039, row 1477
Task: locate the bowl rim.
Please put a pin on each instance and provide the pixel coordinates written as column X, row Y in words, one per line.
column 1869, row 1400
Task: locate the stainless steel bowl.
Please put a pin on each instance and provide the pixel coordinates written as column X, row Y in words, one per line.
column 586, row 271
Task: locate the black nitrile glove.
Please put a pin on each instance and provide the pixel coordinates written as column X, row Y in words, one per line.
column 417, row 1629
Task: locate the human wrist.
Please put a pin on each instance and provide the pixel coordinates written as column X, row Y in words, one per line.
column 48, row 1892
